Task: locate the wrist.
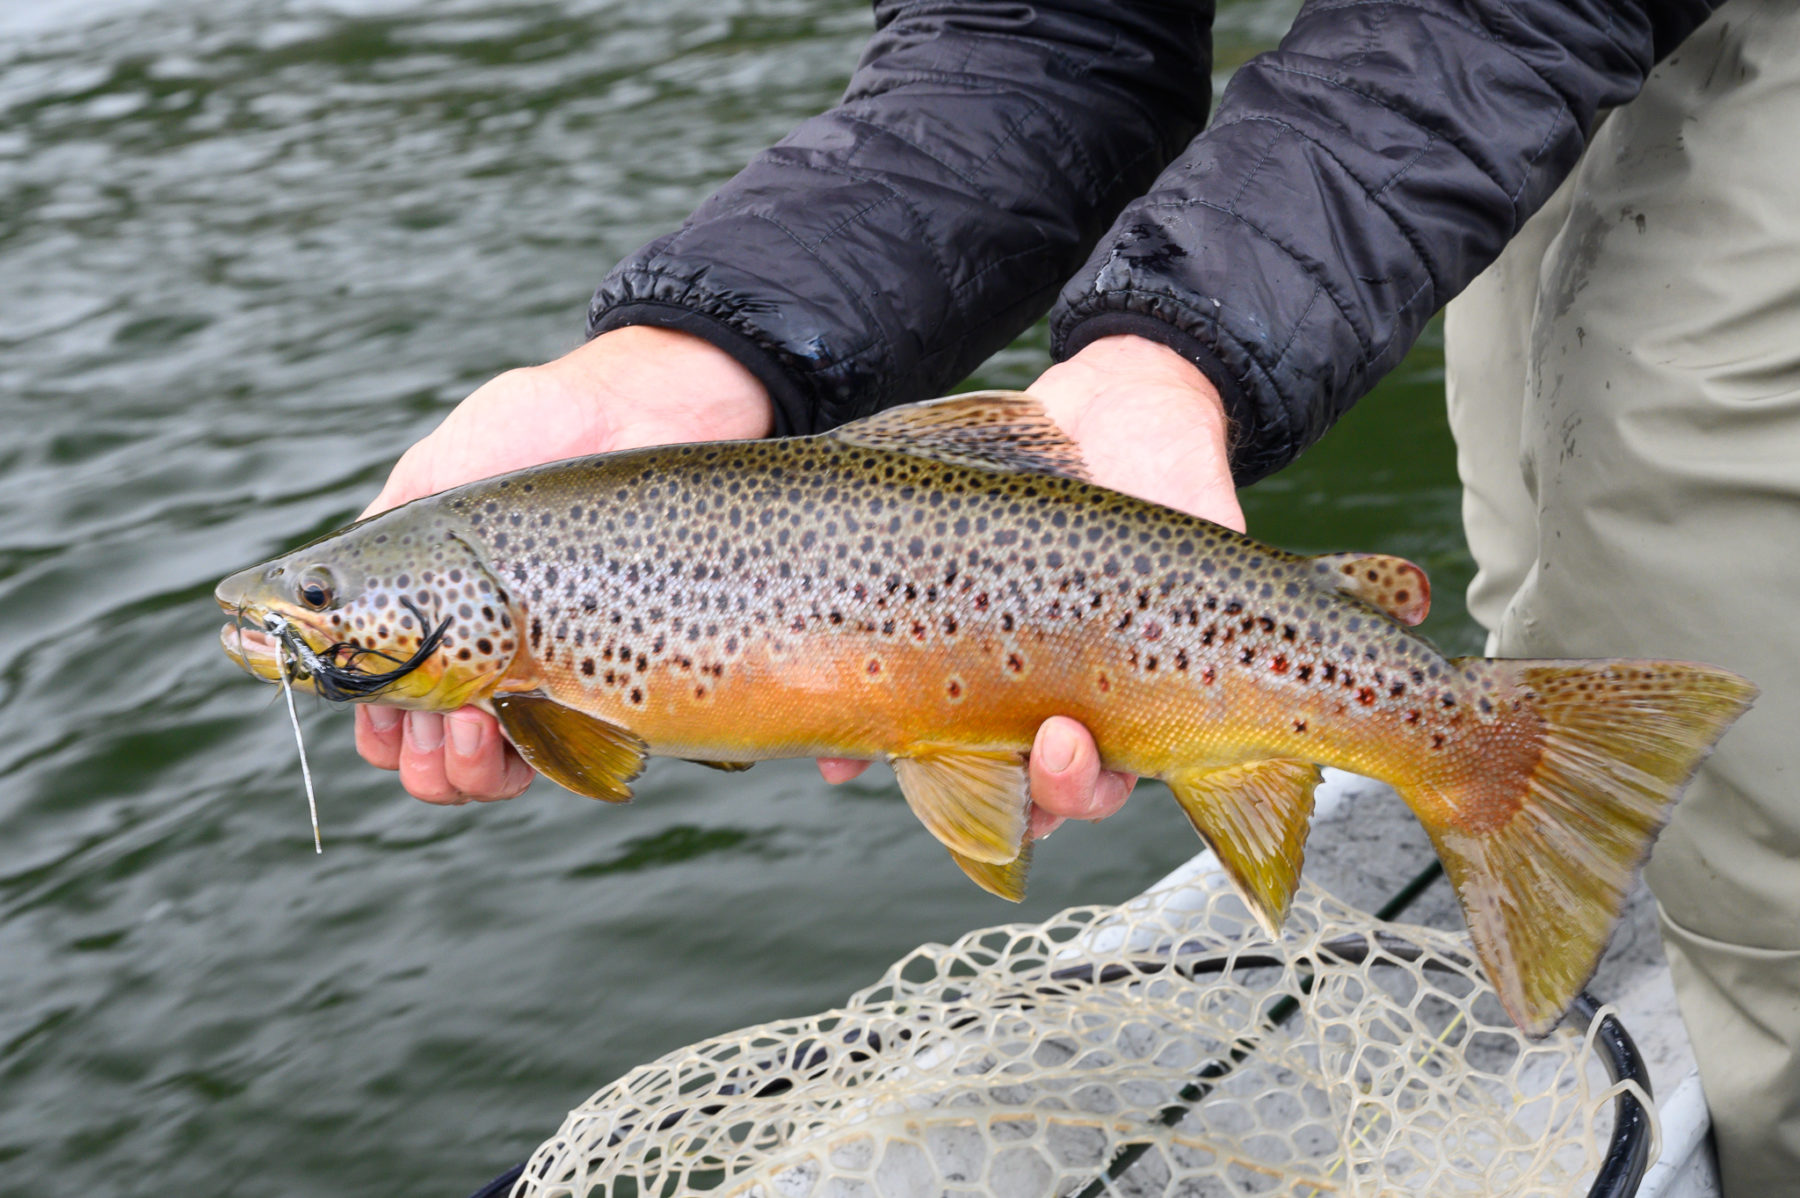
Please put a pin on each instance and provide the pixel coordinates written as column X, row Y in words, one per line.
column 1149, row 423
column 647, row 380
column 1143, row 361
column 1116, row 370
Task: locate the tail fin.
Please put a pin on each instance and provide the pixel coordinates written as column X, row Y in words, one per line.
column 1542, row 860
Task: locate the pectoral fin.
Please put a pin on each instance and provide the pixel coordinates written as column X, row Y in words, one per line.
column 1007, row 880
column 571, row 748
column 974, row 801
column 1254, row 817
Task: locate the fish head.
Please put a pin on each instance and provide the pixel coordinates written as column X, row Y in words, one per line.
column 397, row 609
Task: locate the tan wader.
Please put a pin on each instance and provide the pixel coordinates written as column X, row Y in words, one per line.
column 1624, row 385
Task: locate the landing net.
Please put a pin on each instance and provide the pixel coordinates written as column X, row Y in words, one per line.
column 1163, row 1049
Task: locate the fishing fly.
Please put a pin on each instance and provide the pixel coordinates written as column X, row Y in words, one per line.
column 337, row 673
column 284, row 636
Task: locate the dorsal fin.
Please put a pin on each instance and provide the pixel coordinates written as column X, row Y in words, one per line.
column 1393, row 584
column 994, row 430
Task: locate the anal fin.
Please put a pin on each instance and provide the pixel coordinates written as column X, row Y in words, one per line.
column 1006, row 880
column 571, row 748
column 974, row 801
column 724, row 767
column 1254, row 817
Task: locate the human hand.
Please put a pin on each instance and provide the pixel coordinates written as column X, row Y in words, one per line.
column 1148, row 423
column 631, row 387
column 1151, row 425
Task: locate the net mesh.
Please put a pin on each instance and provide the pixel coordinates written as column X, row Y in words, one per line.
column 1162, row 1048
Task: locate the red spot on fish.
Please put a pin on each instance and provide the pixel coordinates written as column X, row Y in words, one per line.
column 1279, row 665
column 1365, row 695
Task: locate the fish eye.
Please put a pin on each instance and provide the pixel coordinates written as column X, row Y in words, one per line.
column 315, row 590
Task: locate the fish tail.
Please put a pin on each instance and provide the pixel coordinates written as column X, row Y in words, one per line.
column 1545, row 814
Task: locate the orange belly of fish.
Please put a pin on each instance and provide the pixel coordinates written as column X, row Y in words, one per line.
column 843, row 698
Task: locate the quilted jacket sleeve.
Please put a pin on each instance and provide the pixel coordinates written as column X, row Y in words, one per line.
column 1353, row 181
column 882, row 250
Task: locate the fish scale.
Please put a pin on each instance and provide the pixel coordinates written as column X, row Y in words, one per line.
column 930, row 584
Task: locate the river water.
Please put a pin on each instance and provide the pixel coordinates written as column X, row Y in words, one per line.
column 250, row 250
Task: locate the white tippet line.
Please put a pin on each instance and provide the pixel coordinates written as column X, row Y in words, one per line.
column 276, row 626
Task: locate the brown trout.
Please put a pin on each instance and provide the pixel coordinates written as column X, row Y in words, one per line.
column 927, row 586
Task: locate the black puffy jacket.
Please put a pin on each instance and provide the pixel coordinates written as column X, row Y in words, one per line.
column 1354, row 180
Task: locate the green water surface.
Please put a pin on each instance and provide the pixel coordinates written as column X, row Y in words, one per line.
column 250, row 250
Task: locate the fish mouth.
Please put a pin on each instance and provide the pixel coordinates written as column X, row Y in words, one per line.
column 253, row 649
column 270, row 645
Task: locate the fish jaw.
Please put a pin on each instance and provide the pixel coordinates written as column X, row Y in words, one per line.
column 255, row 652
column 360, row 627
column 248, row 641
column 246, row 636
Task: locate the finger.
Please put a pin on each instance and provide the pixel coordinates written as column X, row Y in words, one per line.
column 405, row 481
column 476, row 757
column 422, row 760
column 840, row 769
column 1111, row 790
column 378, row 735
column 1066, row 779
column 519, row 775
